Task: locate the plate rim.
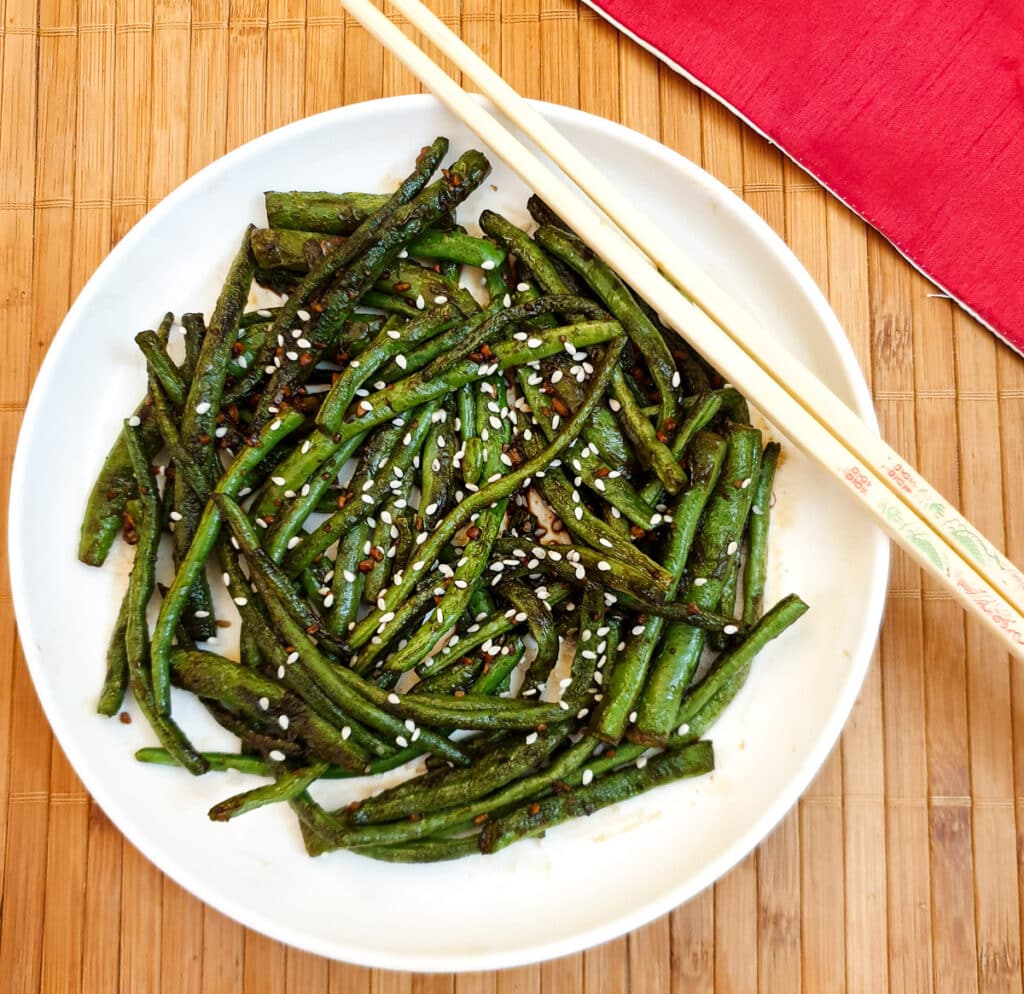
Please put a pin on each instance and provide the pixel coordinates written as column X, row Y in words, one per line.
column 120, row 814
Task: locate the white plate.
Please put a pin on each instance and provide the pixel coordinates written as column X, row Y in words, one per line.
column 586, row 882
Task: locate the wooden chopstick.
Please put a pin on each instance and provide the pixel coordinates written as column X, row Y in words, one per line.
column 802, row 407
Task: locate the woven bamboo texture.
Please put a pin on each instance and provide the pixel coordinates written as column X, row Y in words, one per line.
column 899, row 870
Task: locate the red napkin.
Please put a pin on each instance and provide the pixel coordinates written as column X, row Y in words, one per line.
column 911, row 111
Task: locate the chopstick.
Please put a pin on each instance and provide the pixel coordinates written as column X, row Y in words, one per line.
column 901, row 501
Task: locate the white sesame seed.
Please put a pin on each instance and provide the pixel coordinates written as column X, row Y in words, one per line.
column 699, row 581
column 683, row 729
column 242, row 362
column 241, row 601
column 201, row 614
column 588, row 775
column 302, row 315
column 506, row 300
column 394, row 699
column 420, row 302
column 487, row 264
column 264, row 703
column 175, row 516
column 641, row 762
column 345, row 733
column 733, row 546
column 604, row 566
column 276, row 755
column 730, row 630
column 440, row 299
column 283, row 721
column 134, row 421
column 401, row 741
column 275, row 424
column 202, row 407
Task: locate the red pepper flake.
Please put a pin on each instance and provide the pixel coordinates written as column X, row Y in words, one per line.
column 636, row 531
column 692, row 608
column 306, row 359
column 313, row 629
column 480, row 819
column 456, row 180
column 472, row 533
column 661, row 437
column 560, row 407
column 402, row 287
column 485, row 351
column 601, row 472
column 377, row 554
column 737, row 484
column 365, row 566
column 534, row 808
column 415, row 816
column 125, row 718
column 459, row 693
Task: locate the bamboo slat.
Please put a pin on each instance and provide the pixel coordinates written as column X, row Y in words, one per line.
column 899, row 871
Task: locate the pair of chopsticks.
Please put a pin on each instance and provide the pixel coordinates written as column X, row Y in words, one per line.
column 914, row 514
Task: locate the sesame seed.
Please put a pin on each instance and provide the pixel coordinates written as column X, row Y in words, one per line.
column 588, row 775
column 175, row 516
column 420, row 302
column 676, row 379
column 534, row 343
column 242, row 362
column 302, row 315
column 730, row 630
column 264, row 314
column 604, row 566
column 345, row 733
column 241, row 601
column 279, row 480
column 401, row 741
column 270, row 370
column 264, row 703
column 276, row 755
column 440, row 299
column 201, row 614
column 134, row 421
column 683, row 729
column 487, row 264
column 394, row 699
column 280, row 672
column 733, row 546
column 283, row 721
column 614, row 404
column 220, row 432
column 641, row 762
column 699, row 581
column 202, row 407
column 506, row 300
column 275, row 424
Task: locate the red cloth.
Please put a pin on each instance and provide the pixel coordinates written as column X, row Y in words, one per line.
column 911, row 111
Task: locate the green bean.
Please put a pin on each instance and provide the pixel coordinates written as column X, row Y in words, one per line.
column 325, row 213
column 654, row 453
column 265, row 701
column 618, row 299
column 160, row 362
column 288, row 785
column 715, row 546
column 535, row 819
column 727, row 666
column 116, row 681
column 496, row 670
column 115, row 484
column 140, row 589
column 757, row 527
column 537, row 616
column 701, row 413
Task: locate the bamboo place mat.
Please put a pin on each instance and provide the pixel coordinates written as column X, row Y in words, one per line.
column 898, row 871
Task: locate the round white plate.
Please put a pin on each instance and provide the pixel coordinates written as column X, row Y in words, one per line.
column 587, row 881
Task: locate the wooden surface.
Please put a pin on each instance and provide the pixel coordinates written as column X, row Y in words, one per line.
column 898, row 871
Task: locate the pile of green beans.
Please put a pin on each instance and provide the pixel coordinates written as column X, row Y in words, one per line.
column 475, row 511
